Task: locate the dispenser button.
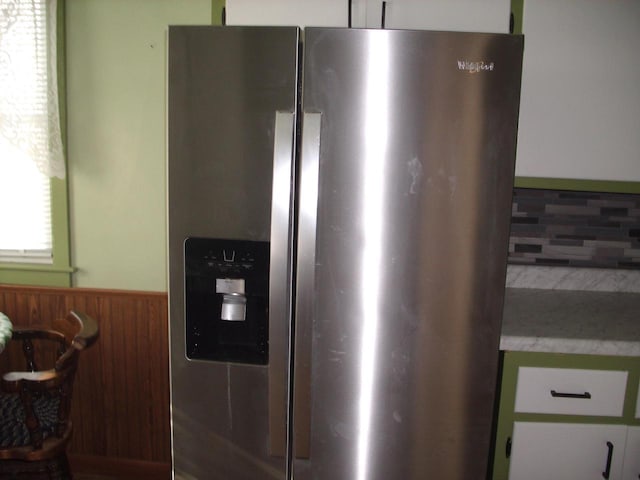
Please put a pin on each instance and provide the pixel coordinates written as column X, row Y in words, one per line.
column 230, row 285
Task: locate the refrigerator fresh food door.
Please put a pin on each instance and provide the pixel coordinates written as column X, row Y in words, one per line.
column 232, row 103
column 402, row 253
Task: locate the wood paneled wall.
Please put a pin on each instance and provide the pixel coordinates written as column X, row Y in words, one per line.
column 121, row 395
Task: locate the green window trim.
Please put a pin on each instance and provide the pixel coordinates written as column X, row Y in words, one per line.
column 59, row 273
column 217, row 7
column 517, row 14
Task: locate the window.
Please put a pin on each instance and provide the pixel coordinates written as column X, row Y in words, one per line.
column 31, row 155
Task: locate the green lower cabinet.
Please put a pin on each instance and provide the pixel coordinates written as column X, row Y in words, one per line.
column 566, row 416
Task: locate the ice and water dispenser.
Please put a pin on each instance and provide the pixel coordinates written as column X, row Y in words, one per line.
column 227, row 300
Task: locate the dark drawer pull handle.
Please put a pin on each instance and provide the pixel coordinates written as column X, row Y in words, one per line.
column 383, row 20
column 607, row 470
column 555, row 394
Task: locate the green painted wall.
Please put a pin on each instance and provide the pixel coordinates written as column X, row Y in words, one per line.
column 116, row 91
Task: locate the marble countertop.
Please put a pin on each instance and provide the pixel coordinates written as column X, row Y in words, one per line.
column 571, row 321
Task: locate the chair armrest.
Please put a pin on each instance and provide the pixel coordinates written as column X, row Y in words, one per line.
column 31, row 376
column 32, row 334
column 39, row 381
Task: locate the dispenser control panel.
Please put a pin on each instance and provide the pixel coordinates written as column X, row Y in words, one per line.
column 226, row 300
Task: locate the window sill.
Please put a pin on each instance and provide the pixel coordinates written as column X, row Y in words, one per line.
column 35, row 274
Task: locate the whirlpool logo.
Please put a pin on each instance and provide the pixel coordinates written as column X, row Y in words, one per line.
column 475, row 67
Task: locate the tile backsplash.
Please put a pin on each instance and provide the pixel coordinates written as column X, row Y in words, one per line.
column 575, row 229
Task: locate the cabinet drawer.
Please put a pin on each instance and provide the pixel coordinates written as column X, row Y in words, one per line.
column 570, row 391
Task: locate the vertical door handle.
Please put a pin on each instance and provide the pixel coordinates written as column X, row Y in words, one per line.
column 305, row 282
column 279, row 282
column 607, row 468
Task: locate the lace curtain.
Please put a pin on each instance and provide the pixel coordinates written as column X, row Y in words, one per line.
column 29, row 113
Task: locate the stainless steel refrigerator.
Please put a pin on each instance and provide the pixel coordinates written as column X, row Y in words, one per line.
column 338, row 212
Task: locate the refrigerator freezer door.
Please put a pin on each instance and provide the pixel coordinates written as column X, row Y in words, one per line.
column 225, row 87
column 398, row 316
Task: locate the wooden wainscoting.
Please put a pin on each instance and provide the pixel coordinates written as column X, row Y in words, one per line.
column 120, row 406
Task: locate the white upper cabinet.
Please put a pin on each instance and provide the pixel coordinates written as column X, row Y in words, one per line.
column 580, row 106
column 302, row 13
column 452, row 15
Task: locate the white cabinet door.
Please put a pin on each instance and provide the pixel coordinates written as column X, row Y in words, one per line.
column 452, row 15
column 632, row 455
column 580, row 108
column 300, row 13
column 550, row 451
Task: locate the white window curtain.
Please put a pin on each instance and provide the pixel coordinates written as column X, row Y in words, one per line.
column 30, row 140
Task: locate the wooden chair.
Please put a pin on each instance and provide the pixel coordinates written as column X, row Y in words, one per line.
column 35, row 427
